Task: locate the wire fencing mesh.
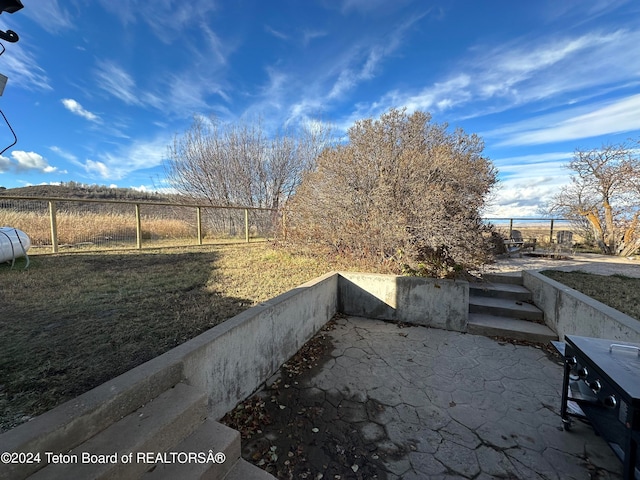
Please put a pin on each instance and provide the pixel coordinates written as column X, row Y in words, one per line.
column 97, row 225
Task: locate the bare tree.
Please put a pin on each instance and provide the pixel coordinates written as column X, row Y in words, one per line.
column 402, row 189
column 605, row 191
column 237, row 164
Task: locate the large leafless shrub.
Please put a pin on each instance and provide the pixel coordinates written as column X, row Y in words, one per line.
column 402, row 190
column 239, row 164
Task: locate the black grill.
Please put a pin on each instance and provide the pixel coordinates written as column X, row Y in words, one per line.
column 602, row 378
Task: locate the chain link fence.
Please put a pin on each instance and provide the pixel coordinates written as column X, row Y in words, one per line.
column 55, row 224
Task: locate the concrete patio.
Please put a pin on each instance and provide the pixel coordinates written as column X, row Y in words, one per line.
column 392, row 401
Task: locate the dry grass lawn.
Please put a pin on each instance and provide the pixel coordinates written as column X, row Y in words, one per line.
column 72, row 322
column 617, row 291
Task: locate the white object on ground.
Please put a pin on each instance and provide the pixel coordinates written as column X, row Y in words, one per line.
column 14, row 244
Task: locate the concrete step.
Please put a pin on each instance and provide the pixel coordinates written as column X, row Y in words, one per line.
column 155, row 427
column 499, row 290
column 514, row 279
column 505, row 308
column 244, row 470
column 495, row 326
column 211, row 435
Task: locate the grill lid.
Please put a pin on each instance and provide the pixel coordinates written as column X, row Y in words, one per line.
column 618, row 361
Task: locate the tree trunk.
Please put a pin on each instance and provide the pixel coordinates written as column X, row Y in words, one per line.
column 598, row 231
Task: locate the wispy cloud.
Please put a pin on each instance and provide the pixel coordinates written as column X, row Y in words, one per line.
column 362, row 62
column 167, row 18
column 139, row 155
column 116, row 81
column 367, row 6
column 74, row 107
column 309, row 35
column 64, row 154
column 23, row 70
column 50, row 16
column 614, row 117
column 25, row 161
column 272, row 31
column 527, row 71
column 331, row 81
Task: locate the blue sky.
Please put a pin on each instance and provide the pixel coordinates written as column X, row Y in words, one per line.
column 97, row 89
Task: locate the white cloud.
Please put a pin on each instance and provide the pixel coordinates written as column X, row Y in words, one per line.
column 615, row 117
column 276, row 33
column 22, row 69
column 5, row 164
column 26, row 161
column 77, row 109
column 527, row 182
column 64, row 154
column 367, row 6
column 167, row 18
column 548, row 72
column 97, row 167
column 309, row 35
column 50, row 16
column 114, row 80
column 136, row 156
column 526, row 195
column 361, row 63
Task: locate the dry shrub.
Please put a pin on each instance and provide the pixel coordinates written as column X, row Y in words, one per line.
column 403, row 190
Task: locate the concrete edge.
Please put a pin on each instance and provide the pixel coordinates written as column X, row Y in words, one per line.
column 569, row 312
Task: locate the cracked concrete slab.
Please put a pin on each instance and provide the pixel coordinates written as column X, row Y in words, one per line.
column 399, row 402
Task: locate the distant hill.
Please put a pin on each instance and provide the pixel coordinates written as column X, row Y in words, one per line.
column 79, row 190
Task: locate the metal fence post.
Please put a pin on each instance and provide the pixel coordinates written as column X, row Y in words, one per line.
column 53, row 221
column 199, row 224
column 138, row 228
column 246, row 225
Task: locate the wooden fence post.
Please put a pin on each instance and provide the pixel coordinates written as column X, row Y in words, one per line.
column 551, row 232
column 53, row 221
column 246, row 225
column 199, row 222
column 138, row 228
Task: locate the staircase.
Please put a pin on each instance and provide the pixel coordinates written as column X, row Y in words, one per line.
column 175, row 422
column 501, row 306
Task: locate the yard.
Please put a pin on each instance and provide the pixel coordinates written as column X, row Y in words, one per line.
column 72, row 322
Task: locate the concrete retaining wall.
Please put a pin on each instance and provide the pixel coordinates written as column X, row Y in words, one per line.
column 421, row 301
column 569, row 312
column 228, row 362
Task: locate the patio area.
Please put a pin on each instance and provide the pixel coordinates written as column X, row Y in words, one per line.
column 374, row 399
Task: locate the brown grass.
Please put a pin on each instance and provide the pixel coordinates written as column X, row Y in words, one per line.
column 617, row 291
column 72, row 322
